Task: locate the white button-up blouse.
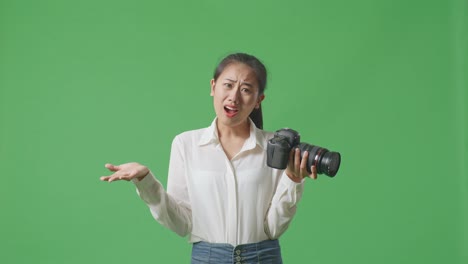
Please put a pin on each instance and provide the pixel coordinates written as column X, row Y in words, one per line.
column 217, row 200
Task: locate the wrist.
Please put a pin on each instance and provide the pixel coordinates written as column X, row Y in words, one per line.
column 293, row 177
column 142, row 177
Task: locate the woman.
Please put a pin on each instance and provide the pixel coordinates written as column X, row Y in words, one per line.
column 220, row 192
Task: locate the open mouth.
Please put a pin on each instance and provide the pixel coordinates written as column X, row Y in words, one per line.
column 230, row 111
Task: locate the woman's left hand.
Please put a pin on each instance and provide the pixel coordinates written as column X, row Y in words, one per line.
column 296, row 169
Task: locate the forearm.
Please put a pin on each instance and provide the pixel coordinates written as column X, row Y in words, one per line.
column 165, row 209
column 283, row 207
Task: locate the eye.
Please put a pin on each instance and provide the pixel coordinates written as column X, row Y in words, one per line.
column 228, row 85
column 246, row 90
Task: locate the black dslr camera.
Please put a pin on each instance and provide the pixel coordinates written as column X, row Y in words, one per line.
column 279, row 147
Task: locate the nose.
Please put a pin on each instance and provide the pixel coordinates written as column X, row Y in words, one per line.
column 234, row 95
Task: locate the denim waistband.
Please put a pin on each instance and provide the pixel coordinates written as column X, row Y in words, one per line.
column 267, row 251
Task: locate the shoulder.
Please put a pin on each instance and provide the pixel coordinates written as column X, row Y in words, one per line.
column 190, row 137
column 268, row 134
column 263, row 135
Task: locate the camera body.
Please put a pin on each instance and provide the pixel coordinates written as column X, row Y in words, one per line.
column 279, row 148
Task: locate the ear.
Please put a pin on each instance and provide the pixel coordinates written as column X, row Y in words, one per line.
column 260, row 99
column 212, row 83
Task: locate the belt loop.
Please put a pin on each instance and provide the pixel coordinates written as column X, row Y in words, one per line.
column 210, row 246
column 256, row 252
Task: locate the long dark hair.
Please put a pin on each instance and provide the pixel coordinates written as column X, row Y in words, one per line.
column 260, row 74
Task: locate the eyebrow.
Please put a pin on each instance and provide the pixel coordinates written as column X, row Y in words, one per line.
column 246, row 83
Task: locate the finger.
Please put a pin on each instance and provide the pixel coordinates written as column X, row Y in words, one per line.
column 291, row 158
column 127, row 176
column 297, row 159
column 313, row 175
column 112, row 167
column 115, row 177
column 304, row 163
column 105, row 178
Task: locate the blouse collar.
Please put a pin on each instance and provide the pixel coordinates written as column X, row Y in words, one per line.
column 210, row 135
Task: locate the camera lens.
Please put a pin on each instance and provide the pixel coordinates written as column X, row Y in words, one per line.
column 325, row 161
column 330, row 163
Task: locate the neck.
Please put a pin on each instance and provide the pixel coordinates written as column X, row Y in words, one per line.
column 242, row 130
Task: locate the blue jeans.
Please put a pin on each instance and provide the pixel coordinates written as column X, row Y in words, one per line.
column 267, row 252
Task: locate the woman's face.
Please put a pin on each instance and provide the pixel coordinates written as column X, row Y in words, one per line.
column 235, row 94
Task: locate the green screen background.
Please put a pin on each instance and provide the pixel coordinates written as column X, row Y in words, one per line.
column 83, row 83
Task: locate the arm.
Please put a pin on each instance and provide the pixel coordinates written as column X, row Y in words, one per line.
column 166, row 209
column 172, row 208
column 288, row 193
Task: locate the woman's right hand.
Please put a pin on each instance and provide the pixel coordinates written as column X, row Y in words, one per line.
column 127, row 172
